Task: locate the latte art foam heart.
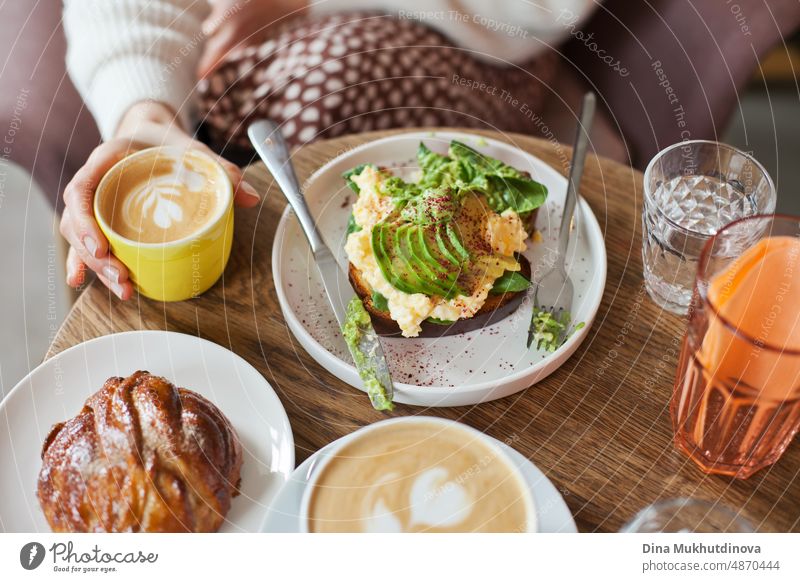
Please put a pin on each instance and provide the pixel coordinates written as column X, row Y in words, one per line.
column 162, row 199
column 434, row 500
column 418, row 476
column 437, row 500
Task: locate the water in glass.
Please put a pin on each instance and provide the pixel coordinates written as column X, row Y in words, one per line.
column 691, row 191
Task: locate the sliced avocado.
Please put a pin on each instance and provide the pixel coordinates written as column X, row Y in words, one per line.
column 433, row 255
column 384, row 259
column 444, row 246
column 415, row 268
column 401, row 263
column 455, row 239
column 396, row 261
column 444, row 268
column 430, row 267
column 416, row 254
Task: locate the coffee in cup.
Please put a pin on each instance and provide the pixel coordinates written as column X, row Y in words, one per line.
column 168, row 216
column 417, row 475
column 161, row 198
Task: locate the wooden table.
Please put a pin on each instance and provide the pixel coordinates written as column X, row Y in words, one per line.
column 599, row 427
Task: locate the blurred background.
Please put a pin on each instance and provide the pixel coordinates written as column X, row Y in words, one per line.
column 766, row 122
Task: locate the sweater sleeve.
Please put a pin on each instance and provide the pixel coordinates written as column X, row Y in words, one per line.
column 507, row 30
column 121, row 52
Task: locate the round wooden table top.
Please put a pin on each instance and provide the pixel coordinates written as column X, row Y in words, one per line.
column 599, row 427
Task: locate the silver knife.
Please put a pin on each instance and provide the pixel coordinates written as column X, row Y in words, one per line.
column 366, row 350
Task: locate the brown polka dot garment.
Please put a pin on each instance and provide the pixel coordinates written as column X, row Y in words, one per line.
column 358, row 72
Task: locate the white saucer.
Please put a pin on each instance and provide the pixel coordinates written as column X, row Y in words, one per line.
column 57, row 389
column 457, row 370
column 552, row 513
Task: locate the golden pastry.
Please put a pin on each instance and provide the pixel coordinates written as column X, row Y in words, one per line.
column 142, row 455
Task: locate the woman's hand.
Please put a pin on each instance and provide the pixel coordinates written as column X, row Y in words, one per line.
column 235, row 22
column 144, row 125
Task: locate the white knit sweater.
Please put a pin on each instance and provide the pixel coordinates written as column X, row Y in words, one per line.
column 121, row 52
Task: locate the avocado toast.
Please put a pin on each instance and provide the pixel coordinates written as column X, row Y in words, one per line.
column 443, row 254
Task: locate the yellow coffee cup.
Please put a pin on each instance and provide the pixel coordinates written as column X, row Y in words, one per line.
column 169, row 269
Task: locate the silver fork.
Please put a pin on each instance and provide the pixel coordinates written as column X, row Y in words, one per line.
column 554, row 291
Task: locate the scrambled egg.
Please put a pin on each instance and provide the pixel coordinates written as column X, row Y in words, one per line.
column 504, row 232
column 371, row 206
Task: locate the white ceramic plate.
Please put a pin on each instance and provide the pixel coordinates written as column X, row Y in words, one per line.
column 57, row 389
column 552, row 514
column 452, row 371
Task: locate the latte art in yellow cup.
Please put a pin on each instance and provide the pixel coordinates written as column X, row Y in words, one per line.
column 164, row 200
column 417, row 474
column 168, row 216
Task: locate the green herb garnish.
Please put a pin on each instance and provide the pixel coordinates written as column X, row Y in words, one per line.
column 510, row 282
column 348, row 176
column 379, row 301
column 464, row 169
column 551, row 332
column 352, row 225
column 437, row 321
column 505, row 187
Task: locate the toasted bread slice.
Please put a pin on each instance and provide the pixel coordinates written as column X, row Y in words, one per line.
column 496, row 308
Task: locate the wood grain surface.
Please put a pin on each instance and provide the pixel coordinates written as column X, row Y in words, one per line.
column 599, row 427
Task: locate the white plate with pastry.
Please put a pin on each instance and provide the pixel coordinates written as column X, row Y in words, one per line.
column 202, row 419
column 470, row 363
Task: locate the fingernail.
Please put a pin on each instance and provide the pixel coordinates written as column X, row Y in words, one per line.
column 116, row 289
column 111, row 273
column 91, row 245
column 250, row 190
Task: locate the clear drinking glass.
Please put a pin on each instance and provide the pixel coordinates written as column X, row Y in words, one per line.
column 736, row 402
column 687, row 516
column 691, row 190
